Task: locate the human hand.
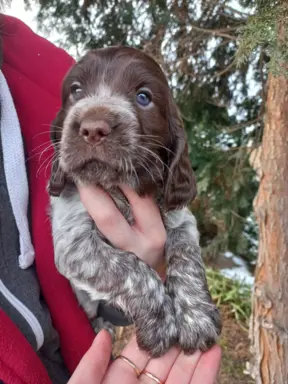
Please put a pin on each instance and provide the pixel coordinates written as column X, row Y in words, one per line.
column 146, row 238
column 172, row 368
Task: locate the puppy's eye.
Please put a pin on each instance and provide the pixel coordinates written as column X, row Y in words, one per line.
column 76, row 91
column 143, row 98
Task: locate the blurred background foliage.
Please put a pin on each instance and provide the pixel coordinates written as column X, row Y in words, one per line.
column 215, row 54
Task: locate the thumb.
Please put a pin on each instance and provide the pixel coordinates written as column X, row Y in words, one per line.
column 94, row 364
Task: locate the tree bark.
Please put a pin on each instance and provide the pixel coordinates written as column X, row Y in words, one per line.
column 269, row 321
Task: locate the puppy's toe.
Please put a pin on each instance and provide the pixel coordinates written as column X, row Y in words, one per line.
column 99, row 323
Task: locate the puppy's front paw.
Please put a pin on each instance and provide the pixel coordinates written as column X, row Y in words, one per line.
column 98, row 323
column 199, row 327
column 157, row 332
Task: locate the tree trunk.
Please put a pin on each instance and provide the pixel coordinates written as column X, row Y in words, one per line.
column 269, row 321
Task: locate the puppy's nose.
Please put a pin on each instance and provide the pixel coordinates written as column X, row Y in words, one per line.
column 94, row 132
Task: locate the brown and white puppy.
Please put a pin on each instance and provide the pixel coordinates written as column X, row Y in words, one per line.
column 119, row 124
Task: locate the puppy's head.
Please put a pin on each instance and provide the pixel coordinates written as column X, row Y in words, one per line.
column 119, row 123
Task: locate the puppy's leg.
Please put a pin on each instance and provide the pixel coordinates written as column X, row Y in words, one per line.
column 90, row 307
column 117, row 277
column 123, row 280
column 98, row 323
column 197, row 318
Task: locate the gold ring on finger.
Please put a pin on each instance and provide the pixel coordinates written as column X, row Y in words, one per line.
column 129, row 362
column 151, row 376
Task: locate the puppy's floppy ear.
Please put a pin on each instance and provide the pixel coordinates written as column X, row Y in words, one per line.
column 180, row 188
column 57, row 178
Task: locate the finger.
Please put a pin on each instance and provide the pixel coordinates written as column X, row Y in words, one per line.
column 183, row 369
column 160, row 367
column 207, row 367
column 145, row 210
column 94, row 364
column 121, row 372
column 106, row 215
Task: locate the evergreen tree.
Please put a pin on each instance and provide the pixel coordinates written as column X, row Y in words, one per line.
column 222, row 103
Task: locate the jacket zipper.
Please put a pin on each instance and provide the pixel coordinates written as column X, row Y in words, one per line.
column 26, row 313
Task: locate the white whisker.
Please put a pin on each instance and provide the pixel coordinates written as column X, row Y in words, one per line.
column 147, row 169
column 39, row 153
column 134, row 171
column 157, row 168
column 48, row 159
column 155, row 156
column 152, row 140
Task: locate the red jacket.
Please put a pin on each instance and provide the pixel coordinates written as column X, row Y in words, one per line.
column 34, row 70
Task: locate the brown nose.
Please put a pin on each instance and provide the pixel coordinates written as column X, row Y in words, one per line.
column 94, row 132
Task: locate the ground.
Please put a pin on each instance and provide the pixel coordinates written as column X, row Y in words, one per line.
column 235, row 350
column 234, row 342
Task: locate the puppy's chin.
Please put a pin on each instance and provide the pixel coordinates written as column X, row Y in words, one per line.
column 98, row 173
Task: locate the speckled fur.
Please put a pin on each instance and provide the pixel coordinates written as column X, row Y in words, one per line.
column 181, row 311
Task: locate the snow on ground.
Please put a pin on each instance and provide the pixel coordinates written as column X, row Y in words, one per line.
column 239, row 272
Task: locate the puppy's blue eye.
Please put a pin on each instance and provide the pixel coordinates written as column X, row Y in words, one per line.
column 143, row 98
